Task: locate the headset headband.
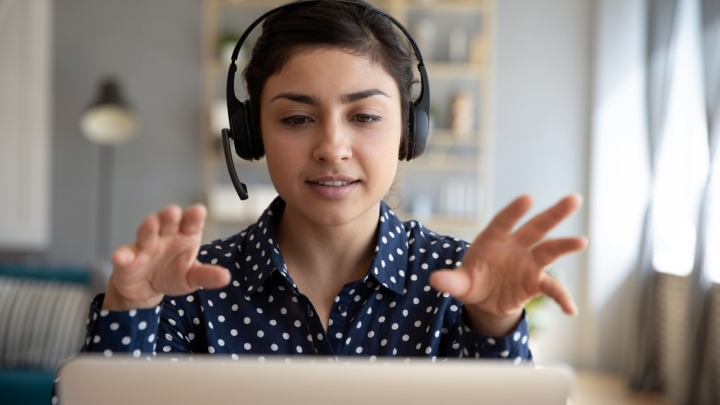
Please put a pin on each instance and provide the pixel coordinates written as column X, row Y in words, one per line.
column 233, row 67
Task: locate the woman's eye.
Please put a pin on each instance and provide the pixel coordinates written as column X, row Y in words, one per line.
column 296, row 120
column 367, row 119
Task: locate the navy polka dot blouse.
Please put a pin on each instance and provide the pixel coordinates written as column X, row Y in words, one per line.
column 392, row 311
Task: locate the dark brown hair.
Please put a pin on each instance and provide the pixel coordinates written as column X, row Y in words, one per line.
column 357, row 29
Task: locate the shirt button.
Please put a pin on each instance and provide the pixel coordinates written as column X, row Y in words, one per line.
column 342, row 308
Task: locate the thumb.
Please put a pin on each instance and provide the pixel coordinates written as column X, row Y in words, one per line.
column 207, row 276
column 454, row 282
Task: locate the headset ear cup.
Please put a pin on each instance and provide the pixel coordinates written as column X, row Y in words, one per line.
column 247, row 130
column 238, row 129
column 410, row 141
column 419, row 131
column 254, row 142
column 243, row 133
column 420, row 115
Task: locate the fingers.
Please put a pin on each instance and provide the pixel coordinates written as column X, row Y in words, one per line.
column 207, row 276
column 170, row 217
column 169, row 221
column 550, row 250
column 503, row 223
column 454, row 282
column 122, row 256
column 536, row 229
column 193, row 220
column 147, row 233
column 556, row 290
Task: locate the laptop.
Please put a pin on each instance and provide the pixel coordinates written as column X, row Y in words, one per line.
column 91, row 379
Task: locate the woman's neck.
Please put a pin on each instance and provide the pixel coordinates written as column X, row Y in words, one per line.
column 327, row 257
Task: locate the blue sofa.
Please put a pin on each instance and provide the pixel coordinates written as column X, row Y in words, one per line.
column 43, row 309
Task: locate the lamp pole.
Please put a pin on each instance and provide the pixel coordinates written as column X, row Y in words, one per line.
column 103, row 223
column 107, row 122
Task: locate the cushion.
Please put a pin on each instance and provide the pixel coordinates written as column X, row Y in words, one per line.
column 42, row 322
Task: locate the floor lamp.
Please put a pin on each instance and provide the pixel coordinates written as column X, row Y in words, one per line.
column 107, row 122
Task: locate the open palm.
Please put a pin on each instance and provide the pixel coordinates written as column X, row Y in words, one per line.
column 502, row 270
column 162, row 261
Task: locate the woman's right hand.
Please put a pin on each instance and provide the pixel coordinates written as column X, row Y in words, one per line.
column 163, row 260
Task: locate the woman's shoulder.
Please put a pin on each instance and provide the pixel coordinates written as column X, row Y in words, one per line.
column 425, row 246
column 425, row 240
column 414, row 228
column 254, row 246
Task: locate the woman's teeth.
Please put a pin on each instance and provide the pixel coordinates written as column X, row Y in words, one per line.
column 333, row 183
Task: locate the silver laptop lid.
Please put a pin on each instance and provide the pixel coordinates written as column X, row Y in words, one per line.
column 181, row 380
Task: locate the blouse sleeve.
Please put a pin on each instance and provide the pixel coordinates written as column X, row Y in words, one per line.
column 132, row 331
column 141, row 331
column 513, row 347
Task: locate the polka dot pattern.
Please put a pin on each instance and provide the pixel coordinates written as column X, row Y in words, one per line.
column 391, row 311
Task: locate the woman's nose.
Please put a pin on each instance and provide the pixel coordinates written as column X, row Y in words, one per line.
column 333, row 142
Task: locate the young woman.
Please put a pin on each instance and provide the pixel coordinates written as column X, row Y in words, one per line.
column 328, row 268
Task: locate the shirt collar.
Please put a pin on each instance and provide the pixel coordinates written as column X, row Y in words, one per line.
column 259, row 254
column 390, row 261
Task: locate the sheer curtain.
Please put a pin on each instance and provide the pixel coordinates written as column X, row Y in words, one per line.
column 675, row 347
column 702, row 386
column 645, row 373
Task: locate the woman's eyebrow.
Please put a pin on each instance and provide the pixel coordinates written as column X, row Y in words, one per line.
column 298, row 98
column 353, row 97
column 346, row 98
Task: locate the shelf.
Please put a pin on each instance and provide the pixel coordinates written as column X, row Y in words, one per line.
column 448, row 70
column 445, row 137
column 445, row 223
column 224, row 205
column 445, row 162
column 447, row 6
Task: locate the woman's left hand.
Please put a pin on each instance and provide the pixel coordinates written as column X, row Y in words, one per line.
column 502, row 270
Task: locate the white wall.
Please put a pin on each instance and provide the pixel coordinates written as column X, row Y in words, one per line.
column 542, row 121
column 152, row 47
column 25, row 133
column 619, row 179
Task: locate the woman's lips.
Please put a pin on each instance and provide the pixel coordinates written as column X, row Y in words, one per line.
column 333, row 189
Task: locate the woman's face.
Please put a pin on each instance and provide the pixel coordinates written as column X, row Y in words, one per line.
column 331, row 128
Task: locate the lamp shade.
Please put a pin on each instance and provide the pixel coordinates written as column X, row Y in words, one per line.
column 109, row 120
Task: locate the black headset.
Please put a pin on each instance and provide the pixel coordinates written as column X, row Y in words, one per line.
column 248, row 145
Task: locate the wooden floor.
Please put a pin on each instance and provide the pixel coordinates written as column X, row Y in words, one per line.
column 601, row 389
